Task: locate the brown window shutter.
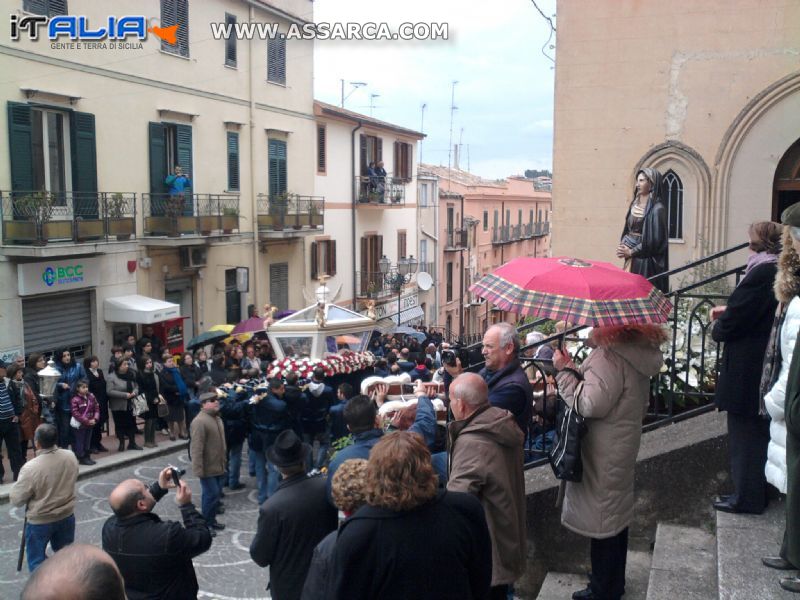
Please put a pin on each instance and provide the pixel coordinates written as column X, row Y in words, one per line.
column 362, row 149
column 314, row 261
column 397, row 160
column 379, row 148
column 332, row 258
column 321, row 150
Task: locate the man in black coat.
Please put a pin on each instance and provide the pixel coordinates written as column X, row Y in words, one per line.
column 155, row 556
column 292, row 521
column 744, row 326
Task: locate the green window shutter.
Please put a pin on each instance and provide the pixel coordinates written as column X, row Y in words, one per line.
column 183, row 151
column 277, row 167
column 230, row 42
column 158, row 160
column 84, row 165
column 49, row 8
column 276, row 60
column 20, row 141
column 233, row 161
column 176, row 12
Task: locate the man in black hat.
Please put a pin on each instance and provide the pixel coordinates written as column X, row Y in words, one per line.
column 292, row 521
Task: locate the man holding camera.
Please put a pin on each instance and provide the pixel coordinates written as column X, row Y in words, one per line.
column 155, row 556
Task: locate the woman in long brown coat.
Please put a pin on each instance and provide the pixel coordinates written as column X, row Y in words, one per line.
column 30, row 418
column 612, row 389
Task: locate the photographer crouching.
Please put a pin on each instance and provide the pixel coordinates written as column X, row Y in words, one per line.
column 155, row 556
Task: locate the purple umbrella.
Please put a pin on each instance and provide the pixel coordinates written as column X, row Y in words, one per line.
column 250, row 325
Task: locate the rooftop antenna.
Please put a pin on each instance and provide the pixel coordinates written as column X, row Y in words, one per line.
column 355, row 84
column 453, row 109
column 421, row 130
column 372, row 102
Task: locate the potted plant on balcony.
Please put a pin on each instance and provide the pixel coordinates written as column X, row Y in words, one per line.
column 230, row 219
column 119, row 222
column 38, row 209
column 278, row 205
column 173, row 209
column 316, row 215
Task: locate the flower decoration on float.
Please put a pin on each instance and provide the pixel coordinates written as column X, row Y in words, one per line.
column 333, row 364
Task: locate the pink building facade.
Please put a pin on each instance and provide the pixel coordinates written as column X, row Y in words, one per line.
column 482, row 225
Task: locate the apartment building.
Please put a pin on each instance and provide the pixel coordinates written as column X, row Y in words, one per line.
column 370, row 218
column 482, row 224
column 94, row 129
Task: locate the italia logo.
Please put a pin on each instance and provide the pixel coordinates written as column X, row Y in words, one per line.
column 77, row 28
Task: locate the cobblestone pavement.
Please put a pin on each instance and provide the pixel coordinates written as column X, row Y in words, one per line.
column 225, row 572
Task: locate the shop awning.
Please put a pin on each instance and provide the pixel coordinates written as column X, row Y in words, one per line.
column 139, row 309
column 406, row 316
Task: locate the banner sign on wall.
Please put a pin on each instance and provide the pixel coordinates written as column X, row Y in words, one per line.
column 60, row 275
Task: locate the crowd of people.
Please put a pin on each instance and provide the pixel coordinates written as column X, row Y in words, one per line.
column 410, row 498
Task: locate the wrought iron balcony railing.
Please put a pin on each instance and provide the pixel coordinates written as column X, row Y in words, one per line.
column 381, row 191
column 40, row 217
column 174, row 215
column 455, row 239
column 277, row 212
column 372, row 284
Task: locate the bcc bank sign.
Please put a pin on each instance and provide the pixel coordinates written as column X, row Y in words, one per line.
column 57, row 276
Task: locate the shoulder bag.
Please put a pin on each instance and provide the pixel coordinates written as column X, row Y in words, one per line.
column 139, row 405
column 565, row 453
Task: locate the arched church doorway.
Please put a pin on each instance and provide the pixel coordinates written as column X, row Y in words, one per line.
column 786, row 186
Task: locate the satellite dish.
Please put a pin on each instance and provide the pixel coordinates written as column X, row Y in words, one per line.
column 424, row 281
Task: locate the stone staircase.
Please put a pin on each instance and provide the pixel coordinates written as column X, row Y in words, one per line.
column 689, row 563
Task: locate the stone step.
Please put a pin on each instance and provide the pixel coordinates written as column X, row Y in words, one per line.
column 559, row 586
column 741, row 542
column 684, row 564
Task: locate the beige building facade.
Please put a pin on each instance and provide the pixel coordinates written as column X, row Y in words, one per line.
column 706, row 92
column 368, row 216
column 94, row 131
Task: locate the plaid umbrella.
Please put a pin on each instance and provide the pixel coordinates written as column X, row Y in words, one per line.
column 577, row 291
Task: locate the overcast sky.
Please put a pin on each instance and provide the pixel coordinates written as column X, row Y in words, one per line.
column 505, row 90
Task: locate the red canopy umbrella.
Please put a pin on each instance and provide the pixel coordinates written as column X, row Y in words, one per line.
column 249, row 326
column 577, row 291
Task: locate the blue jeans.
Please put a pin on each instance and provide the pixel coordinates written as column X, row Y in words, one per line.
column 59, row 534
column 266, row 475
column 209, row 503
column 234, row 464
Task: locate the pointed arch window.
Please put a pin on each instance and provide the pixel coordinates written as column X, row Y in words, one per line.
column 673, row 196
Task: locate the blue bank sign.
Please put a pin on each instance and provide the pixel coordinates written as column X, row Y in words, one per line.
column 58, row 275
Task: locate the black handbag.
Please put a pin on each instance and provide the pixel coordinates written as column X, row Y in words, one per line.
column 565, row 453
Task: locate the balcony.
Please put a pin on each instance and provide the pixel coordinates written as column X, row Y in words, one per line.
column 39, row 218
column 174, row 216
column 455, row 239
column 386, row 192
column 287, row 215
column 508, row 234
column 371, row 284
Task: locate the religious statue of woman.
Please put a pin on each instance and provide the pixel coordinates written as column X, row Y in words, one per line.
column 645, row 241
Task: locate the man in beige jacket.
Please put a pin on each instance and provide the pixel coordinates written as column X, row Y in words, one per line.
column 46, row 485
column 486, row 460
column 209, row 456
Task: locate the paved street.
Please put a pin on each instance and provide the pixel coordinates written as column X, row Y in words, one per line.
column 224, row 572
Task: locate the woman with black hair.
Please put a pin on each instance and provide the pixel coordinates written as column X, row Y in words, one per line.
column 97, row 386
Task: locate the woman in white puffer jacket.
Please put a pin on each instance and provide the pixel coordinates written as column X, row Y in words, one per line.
column 775, row 469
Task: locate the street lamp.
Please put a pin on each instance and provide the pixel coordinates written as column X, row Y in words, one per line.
column 48, row 378
column 402, row 274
